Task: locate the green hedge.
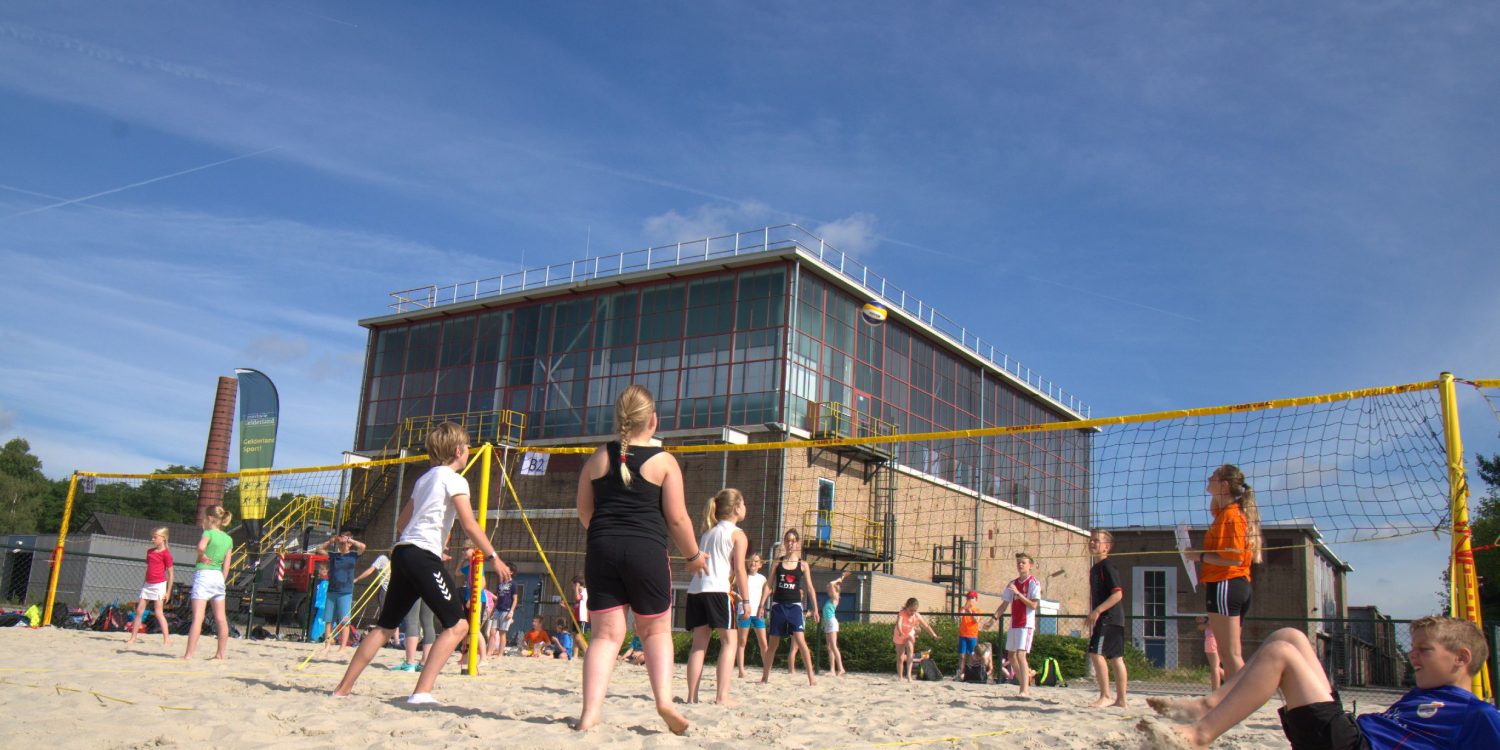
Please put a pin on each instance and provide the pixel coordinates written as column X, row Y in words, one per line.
column 867, row 647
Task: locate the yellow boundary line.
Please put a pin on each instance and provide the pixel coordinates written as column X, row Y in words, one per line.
column 101, row 697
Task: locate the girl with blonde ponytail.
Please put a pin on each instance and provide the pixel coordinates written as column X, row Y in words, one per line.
column 708, row 602
column 630, row 500
column 1232, row 544
column 215, row 549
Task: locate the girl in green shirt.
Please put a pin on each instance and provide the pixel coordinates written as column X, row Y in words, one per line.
column 214, row 552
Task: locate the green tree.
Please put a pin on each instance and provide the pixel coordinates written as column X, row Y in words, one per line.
column 1484, row 518
column 169, row 500
column 23, row 488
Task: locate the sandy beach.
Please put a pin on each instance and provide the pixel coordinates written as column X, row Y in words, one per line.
column 69, row 689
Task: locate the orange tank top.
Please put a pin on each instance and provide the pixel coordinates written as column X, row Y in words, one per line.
column 1229, row 531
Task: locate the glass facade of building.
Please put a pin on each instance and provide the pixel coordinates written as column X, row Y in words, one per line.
column 710, row 348
column 714, row 349
column 901, row 376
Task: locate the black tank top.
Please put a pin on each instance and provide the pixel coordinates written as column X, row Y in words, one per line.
column 788, row 584
column 629, row 511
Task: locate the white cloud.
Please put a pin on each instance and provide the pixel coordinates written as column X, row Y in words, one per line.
column 854, row 234
column 709, row 220
column 7, row 420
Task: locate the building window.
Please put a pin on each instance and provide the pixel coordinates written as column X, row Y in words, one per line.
column 825, row 510
column 1154, row 606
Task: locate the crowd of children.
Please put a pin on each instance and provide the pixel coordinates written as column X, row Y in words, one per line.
column 630, row 501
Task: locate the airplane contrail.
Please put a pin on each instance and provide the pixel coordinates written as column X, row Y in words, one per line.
column 112, row 191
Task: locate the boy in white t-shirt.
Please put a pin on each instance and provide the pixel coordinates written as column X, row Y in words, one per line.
column 417, row 571
column 1018, row 604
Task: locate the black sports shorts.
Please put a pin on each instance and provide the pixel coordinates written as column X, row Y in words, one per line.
column 710, row 608
column 1107, row 641
column 1322, row 726
column 419, row 574
column 624, row 571
column 1231, row 597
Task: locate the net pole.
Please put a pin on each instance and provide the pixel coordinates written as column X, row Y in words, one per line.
column 476, row 563
column 57, row 552
column 1462, row 581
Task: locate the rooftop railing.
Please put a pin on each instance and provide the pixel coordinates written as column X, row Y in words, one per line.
column 769, row 239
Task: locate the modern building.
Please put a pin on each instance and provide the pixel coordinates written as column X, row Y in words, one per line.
column 749, row 338
column 1301, row 584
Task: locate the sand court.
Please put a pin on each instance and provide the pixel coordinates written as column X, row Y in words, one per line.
column 61, row 688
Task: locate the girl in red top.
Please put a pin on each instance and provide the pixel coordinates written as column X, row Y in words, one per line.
column 1233, row 542
column 158, row 586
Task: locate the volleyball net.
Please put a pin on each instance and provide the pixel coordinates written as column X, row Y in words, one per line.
column 947, row 509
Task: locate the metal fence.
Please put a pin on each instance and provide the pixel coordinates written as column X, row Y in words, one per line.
column 1363, row 659
column 89, row 583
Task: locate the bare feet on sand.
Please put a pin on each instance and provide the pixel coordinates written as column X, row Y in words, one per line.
column 1178, row 709
column 675, row 721
column 1163, row 736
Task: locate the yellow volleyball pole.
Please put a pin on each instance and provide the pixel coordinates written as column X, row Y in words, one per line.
column 1463, row 582
column 476, row 563
column 57, row 552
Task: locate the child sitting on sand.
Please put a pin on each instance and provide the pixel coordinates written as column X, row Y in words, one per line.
column 985, row 652
column 536, row 638
column 562, row 640
column 1439, row 713
column 635, row 653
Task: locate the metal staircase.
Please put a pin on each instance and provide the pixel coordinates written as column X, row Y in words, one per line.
column 957, row 565
column 370, row 489
column 283, row 531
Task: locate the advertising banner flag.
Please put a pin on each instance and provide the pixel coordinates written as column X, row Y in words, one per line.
column 259, row 411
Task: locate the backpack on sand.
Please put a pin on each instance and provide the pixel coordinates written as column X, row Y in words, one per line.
column 1051, row 674
column 927, row 671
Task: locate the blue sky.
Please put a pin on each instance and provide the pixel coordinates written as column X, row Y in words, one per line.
column 1156, row 206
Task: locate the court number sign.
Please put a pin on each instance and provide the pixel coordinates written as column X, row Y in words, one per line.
column 534, row 464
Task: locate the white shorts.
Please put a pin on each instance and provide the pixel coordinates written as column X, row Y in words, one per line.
column 830, row 624
column 506, row 621
column 154, row 592
column 1018, row 639
column 208, row 584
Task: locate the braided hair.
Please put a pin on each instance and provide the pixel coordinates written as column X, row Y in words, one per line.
column 633, row 409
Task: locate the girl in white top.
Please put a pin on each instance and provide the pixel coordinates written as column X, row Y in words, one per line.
column 751, row 618
column 708, row 607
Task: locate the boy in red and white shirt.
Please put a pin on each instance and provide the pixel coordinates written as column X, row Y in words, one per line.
column 1018, row 605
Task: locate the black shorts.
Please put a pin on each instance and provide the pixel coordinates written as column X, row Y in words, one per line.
column 419, row 574
column 1107, row 641
column 711, row 609
column 1231, row 597
column 630, row 572
column 1324, row 726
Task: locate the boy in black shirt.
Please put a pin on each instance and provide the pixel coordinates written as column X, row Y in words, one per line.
column 1106, row 621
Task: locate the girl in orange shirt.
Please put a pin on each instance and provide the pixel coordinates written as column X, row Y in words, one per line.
column 1233, row 542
